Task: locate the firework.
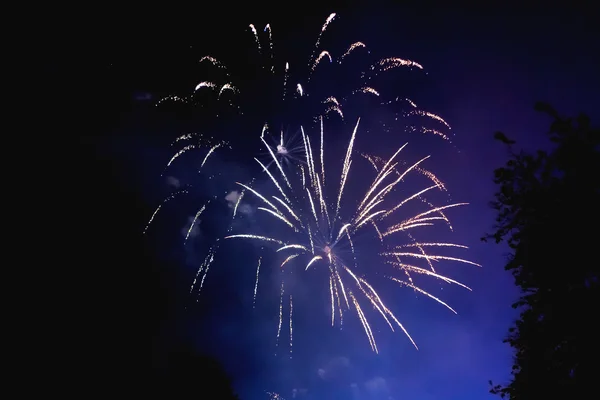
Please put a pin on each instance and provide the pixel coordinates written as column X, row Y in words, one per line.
column 322, row 227
column 168, row 198
column 279, row 85
column 319, row 228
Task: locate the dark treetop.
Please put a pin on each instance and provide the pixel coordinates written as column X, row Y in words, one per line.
column 547, row 206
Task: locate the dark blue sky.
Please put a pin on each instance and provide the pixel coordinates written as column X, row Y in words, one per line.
column 485, row 72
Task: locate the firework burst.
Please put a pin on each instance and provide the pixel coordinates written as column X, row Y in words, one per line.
column 283, row 94
column 319, row 229
column 310, row 200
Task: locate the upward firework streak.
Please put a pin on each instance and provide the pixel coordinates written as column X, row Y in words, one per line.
column 296, row 83
column 320, row 230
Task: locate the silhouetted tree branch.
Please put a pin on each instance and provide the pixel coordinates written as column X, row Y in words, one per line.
column 548, row 212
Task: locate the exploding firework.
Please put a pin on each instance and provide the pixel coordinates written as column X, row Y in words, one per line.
column 319, row 229
column 282, row 94
column 322, row 228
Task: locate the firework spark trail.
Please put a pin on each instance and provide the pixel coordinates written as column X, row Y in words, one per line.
column 312, row 165
column 395, row 62
column 212, row 149
column 436, row 258
column 168, row 198
column 418, row 289
column 334, row 106
column 273, row 179
column 385, row 170
column 309, row 158
column 186, row 136
column 250, row 236
column 366, row 89
column 432, row 244
column 293, row 246
column 291, row 326
column 303, row 177
column 322, row 156
column 323, row 28
column 276, row 215
column 429, row 130
column 194, row 221
column 275, row 159
column 364, row 323
column 352, row 47
column 429, row 115
column 210, row 257
column 322, row 55
column 421, row 250
column 374, row 160
column 387, row 189
column 373, row 297
column 417, row 219
column 213, row 61
column 260, row 196
column 205, row 84
column 419, row 270
column 312, row 261
column 346, row 169
column 255, row 33
column 332, row 302
column 256, row 283
column 337, row 297
column 319, row 241
column 288, row 259
column 227, row 86
column 280, row 313
column 171, row 98
column 268, row 28
column 237, row 203
column 285, row 79
column 180, row 152
column 379, row 303
column 411, row 197
column 289, row 209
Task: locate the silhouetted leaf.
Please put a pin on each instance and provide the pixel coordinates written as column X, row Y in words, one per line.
column 546, row 108
column 502, row 137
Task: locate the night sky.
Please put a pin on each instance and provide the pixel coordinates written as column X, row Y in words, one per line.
column 485, row 71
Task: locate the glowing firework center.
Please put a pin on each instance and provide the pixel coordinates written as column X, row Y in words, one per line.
column 327, row 250
column 281, row 150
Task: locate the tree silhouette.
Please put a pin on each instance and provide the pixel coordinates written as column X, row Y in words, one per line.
column 548, row 206
column 188, row 373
